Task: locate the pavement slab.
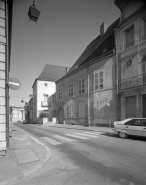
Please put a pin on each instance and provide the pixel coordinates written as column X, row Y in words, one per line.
column 25, row 156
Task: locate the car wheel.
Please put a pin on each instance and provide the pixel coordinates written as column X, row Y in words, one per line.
column 122, row 135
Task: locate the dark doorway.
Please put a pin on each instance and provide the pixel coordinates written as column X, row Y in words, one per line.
column 60, row 115
column 144, row 105
column 130, row 105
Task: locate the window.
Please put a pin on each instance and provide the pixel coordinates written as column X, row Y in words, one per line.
column 144, row 123
column 70, row 89
column 45, row 97
column 99, row 80
column 81, row 86
column 129, row 37
column 134, row 123
column 60, row 93
column 70, row 111
column 46, row 84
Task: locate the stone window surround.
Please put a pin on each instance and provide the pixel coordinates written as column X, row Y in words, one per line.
column 125, row 33
column 82, row 89
column 95, row 72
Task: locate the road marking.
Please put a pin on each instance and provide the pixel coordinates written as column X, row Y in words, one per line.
column 72, row 135
column 100, row 134
column 88, row 135
column 64, row 138
column 92, row 133
column 51, row 141
column 37, row 140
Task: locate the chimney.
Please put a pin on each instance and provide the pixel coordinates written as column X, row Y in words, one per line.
column 103, row 29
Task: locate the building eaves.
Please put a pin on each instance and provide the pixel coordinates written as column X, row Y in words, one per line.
column 41, row 79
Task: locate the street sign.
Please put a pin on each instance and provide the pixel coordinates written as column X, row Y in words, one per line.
column 14, row 83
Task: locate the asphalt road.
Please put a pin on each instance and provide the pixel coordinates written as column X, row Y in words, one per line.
column 99, row 160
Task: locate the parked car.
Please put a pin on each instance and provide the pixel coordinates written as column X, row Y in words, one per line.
column 25, row 121
column 131, row 126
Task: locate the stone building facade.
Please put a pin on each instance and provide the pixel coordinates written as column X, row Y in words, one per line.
column 5, row 51
column 131, row 59
column 43, row 87
column 87, row 94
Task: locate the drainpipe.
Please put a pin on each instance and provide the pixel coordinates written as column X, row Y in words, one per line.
column 7, row 73
column 117, row 66
column 88, row 100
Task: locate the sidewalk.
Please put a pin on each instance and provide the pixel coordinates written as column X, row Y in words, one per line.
column 24, row 156
column 79, row 127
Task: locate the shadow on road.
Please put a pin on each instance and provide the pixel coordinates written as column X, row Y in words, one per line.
column 134, row 138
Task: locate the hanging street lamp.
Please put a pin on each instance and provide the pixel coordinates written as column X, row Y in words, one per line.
column 33, row 13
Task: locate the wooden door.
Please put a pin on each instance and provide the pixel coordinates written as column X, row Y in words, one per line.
column 130, row 107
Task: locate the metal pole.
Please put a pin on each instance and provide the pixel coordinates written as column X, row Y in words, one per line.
column 7, row 73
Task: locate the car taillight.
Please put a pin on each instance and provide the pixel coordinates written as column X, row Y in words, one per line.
column 115, row 122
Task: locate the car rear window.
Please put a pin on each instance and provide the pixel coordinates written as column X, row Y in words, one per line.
column 134, row 123
column 144, row 123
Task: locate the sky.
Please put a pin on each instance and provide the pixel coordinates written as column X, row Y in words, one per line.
column 63, row 31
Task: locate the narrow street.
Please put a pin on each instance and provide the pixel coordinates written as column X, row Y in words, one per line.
column 86, row 157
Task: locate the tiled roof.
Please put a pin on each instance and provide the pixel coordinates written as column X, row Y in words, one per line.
column 99, row 46
column 52, row 73
column 104, row 48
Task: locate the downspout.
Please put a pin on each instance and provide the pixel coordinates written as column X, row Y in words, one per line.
column 88, row 98
column 7, row 58
column 117, row 73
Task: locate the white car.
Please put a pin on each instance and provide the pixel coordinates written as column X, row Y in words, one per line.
column 131, row 126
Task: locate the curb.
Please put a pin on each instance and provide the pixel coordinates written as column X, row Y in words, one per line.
column 84, row 129
column 34, row 169
column 76, row 128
